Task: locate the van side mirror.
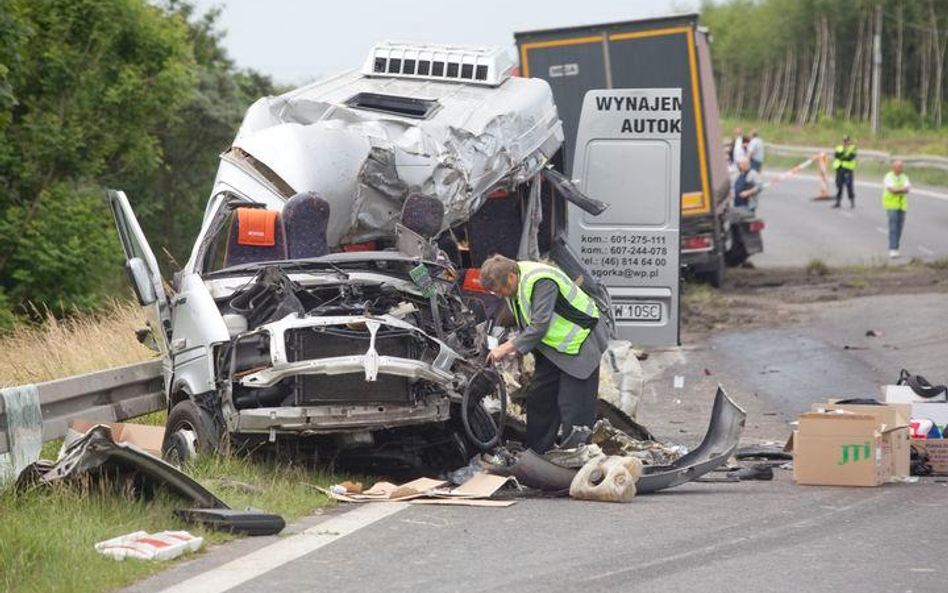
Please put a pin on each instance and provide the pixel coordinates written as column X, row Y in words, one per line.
column 141, row 281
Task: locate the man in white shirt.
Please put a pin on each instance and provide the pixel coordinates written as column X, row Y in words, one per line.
column 894, row 202
column 755, row 151
column 737, row 150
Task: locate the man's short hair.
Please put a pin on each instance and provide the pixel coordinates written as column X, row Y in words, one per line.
column 495, row 270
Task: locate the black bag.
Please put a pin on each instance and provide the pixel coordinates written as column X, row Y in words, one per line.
column 920, row 385
column 918, row 462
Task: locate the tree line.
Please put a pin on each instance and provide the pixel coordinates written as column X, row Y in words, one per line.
column 804, row 61
column 98, row 94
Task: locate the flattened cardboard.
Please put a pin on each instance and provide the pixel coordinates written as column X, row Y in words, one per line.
column 937, row 450
column 481, row 486
column 147, row 438
column 465, row 502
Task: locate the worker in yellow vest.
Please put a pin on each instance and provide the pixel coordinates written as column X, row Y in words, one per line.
column 844, row 162
column 897, row 187
column 561, row 325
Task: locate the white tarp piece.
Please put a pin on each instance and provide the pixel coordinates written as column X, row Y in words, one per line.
column 364, row 161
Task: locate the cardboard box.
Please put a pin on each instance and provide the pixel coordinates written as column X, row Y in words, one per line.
column 839, row 449
column 935, row 411
column 894, row 422
column 146, row 438
column 937, row 450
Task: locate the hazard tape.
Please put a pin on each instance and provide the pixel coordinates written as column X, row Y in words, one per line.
column 819, row 158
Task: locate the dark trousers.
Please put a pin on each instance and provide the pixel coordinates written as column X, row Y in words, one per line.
column 844, row 177
column 557, row 398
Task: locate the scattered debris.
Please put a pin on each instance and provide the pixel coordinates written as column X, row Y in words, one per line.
column 248, row 522
column 615, row 442
column 142, row 545
column 873, row 334
column 760, row 471
column 96, row 454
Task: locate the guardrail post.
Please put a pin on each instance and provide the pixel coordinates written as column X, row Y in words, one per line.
column 24, row 429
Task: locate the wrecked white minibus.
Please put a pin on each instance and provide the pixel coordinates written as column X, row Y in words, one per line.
column 331, row 300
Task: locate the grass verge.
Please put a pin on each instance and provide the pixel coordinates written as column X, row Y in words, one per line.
column 82, row 343
column 47, row 535
column 829, row 133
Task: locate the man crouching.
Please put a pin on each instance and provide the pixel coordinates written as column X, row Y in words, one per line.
column 559, row 323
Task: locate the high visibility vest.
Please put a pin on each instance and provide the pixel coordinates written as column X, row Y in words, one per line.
column 562, row 335
column 891, row 201
column 845, row 157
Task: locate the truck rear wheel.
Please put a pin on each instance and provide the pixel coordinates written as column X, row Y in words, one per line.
column 715, row 274
column 189, row 431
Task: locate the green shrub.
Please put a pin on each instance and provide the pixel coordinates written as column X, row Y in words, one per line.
column 899, row 115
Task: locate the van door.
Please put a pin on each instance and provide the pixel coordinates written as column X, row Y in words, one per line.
column 143, row 271
column 628, row 153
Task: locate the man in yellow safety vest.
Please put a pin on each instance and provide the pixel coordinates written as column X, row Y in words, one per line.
column 844, row 162
column 561, row 325
column 897, row 186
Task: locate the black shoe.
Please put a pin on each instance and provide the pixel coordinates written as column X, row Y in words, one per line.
column 578, row 435
column 836, row 205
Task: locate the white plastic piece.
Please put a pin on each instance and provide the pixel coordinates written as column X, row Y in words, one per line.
column 236, row 324
column 142, row 545
column 607, row 479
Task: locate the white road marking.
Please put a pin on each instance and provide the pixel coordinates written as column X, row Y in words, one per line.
column 882, row 230
column 925, row 250
column 254, row 564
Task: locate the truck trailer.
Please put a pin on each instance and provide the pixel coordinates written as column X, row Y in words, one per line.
column 667, row 52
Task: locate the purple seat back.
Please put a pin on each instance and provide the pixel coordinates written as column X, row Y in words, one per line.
column 306, row 218
column 266, row 241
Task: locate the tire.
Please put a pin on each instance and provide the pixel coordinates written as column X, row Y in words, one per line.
column 189, row 431
column 715, row 274
column 737, row 254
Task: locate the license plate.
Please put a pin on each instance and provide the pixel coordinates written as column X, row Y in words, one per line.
column 638, row 311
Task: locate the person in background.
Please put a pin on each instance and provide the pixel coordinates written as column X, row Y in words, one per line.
column 844, row 162
column 737, row 148
column 755, row 151
column 747, row 185
column 560, row 324
column 897, row 187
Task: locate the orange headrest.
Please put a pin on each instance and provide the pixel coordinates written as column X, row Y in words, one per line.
column 256, row 227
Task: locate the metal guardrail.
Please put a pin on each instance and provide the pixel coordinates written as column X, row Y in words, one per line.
column 111, row 395
column 923, row 160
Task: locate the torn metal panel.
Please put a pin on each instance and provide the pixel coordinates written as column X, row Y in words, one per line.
column 97, row 454
column 365, row 161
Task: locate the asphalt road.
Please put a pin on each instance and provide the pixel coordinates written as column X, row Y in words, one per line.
column 800, row 229
column 708, row 537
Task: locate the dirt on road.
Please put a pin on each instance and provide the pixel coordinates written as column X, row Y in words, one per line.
column 753, row 298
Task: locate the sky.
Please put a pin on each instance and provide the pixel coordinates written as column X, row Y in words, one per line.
column 297, row 41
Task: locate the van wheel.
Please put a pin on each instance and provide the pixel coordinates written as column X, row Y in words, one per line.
column 189, row 431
